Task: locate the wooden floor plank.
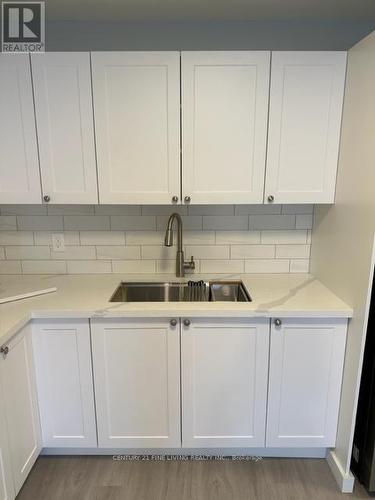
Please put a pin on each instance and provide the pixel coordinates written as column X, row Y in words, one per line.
column 101, row 478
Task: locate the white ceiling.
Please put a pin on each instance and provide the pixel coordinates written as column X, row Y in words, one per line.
column 209, row 10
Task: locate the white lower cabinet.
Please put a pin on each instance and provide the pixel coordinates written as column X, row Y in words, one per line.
column 224, row 382
column 306, row 363
column 65, row 384
column 6, row 479
column 137, row 382
column 17, row 380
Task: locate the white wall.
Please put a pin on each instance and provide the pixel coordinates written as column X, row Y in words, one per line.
column 343, row 235
column 256, row 35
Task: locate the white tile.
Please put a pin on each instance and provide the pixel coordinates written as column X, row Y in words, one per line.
column 292, row 251
column 23, row 210
column 222, row 266
column 43, row 267
column 16, row 238
column 304, row 221
column 134, row 266
column 8, row 223
column 299, row 266
column 166, row 266
column 118, row 252
column 89, row 267
column 88, row 222
column 207, row 252
column 164, row 209
column 190, row 222
column 308, row 239
column 40, row 222
column 252, row 252
column 118, row 209
column 199, row 237
column 102, row 237
column 266, row 266
column 257, row 209
column 45, row 237
column 144, row 237
column 10, row 267
column 226, row 222
column 133, row 222
column 262, row 222
column 158, row 252
column 27, row 253
column 2, row 253
column 298, row 209
column 211, row 210
column 75, row 253
column 282, row 237
column 237, row 237
column 70, row 210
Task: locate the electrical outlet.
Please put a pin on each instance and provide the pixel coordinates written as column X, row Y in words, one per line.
column 58, row 242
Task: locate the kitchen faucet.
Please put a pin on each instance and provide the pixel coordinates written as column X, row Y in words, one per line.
column 181, row 264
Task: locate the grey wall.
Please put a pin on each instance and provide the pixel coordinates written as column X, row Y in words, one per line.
column 268, row 35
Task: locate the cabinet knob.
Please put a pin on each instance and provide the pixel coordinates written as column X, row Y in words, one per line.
column 271, row 198
column 173, row 322
column 4, row 351
column 187, row 199
column 46, row 198
column 277, row 322
column 174, row 199
column 187, row 322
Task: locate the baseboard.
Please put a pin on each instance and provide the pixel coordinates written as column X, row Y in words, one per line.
column 344, row 480
column 195, row 453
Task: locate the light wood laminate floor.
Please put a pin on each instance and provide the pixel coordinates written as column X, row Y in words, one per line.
column 101, row 478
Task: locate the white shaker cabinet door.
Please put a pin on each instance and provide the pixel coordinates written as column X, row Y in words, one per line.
column 65, row 383
column 137, row 121
column 224, row 126
column 137, row 382
column 17, row 378
column 224, row 382
column 19, row 164
column 306, row 363
column 306, row 100
column 6, row 477
column 64, row 116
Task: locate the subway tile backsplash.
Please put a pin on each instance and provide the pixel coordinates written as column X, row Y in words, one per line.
column 129, row 239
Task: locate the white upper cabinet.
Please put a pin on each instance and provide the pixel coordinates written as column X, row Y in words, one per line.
column 224, row 382
column 306, row 363
column 137, row 118
column 224, row 126
column 64, row 116
column 306, row 101
column 19, row 164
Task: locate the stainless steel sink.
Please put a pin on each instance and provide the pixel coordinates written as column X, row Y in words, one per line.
column 192, row 291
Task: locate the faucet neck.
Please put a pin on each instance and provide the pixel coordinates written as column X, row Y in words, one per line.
column 172, row 218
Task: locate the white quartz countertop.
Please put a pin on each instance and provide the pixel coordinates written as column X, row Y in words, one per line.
column 87, row 296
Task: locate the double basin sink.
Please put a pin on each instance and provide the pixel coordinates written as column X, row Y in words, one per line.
column 192, row 291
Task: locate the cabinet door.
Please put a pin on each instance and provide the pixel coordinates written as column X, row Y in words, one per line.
column 224, row 111
column 306, row 99
column 19, row 165
column 306, row 362
column 224, row 382
column 64, row 115
column 17, row 378
column 137, row 383
column 6, row 478
column 65, row 383
column 137, row 122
